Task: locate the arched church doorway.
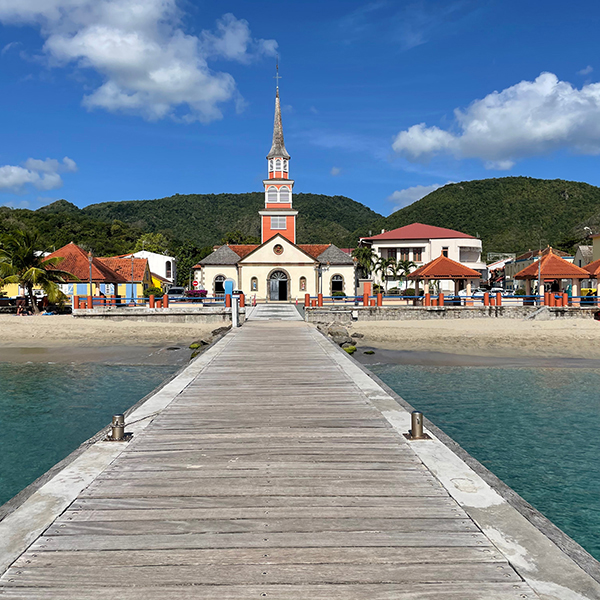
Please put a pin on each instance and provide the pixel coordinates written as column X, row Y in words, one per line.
column 278, row 286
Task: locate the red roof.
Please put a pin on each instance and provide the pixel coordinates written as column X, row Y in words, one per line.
column 76, row 261
column 444, row 268
column 243, row 249
column 552, row 267
column 418, row 231
column 593, row 269
column 122, row 266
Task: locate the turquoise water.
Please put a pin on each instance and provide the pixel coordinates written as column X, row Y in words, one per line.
column 47, row 410
column 537, row 429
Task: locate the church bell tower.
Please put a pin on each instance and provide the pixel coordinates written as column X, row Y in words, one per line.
column 278, row 215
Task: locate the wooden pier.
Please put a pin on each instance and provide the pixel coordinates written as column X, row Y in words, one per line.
column 271, row 475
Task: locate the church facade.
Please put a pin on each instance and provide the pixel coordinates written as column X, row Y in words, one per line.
column 278, row 269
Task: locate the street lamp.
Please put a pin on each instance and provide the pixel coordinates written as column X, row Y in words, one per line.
column 90, row 259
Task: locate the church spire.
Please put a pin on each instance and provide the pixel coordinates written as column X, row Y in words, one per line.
column 278, row 148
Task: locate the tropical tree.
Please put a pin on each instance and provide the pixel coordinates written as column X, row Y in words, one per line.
column 403, row 269
column 22, row 262
column 366, row 260
column 383, row 267
column 152, row 242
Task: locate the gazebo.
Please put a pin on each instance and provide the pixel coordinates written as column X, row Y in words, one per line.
column 593, row 270
column 553, row 267
column 445, row 268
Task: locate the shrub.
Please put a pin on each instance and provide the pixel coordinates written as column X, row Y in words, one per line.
column 519, row 292
column 153, row 291
column 394, row 291
column 196, row 293
column 377, row 289
column 339, row 294
column 409, row 292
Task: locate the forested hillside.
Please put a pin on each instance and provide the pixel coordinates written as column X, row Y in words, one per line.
column 510, row 214
column 205, row 218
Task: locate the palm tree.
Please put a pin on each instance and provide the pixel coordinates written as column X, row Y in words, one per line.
column 404, row 268
column 382, row 266
column 22, row 263
column 366, row 259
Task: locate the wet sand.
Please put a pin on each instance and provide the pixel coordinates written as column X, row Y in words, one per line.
column 480, row 338
column 64, row 339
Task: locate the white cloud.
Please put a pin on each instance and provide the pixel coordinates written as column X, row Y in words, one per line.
column 148, row 64
column 42, row 174
column 9, row 47
column 586, row 71
column 402, row 198
column 531, row 118
column 335, row 171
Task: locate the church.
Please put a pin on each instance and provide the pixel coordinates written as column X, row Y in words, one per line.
column 278, row 269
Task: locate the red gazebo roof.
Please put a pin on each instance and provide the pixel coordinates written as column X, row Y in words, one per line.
column 552, row 267
column 444, row 268
column 593, row 269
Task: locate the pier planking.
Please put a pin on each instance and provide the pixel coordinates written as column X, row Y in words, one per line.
column 271, row 475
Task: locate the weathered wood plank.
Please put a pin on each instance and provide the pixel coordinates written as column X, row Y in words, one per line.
column 434, row 591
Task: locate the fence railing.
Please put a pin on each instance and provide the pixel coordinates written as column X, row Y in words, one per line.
column 441, row 299
column 91, row 302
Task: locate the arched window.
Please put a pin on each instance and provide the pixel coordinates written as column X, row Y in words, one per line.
column 272, row 194
column 254, row 284
column 218, row 285
column 284, row 194
column 278, row 164
column 270, row 166
column 285, row 165
column 337, row 284
column 302, row 284
column 168, row 269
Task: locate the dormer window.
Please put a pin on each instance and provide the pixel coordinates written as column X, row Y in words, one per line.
column 278, row 164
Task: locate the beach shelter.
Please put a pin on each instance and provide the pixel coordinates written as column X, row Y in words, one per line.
column 447, row 269
column 553, row 267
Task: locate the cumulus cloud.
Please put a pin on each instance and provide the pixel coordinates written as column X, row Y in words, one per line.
column 402, row 198
column 335, row 171
column 586, row 71
column 42, row 174
column 148, row 64
column 531, row 118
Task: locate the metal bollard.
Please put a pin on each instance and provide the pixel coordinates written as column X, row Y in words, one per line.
column 416, row 431
column 118, row 428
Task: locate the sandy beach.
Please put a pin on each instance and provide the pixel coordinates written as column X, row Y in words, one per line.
column 62, row 330
column 572, row 338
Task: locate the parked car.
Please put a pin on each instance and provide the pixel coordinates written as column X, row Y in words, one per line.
column 176, row 293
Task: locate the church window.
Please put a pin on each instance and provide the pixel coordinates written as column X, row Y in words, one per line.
column 302, row 284
column 270, row 166
column 284, row 194
column 218, row 285
column 278, row 223
column 285, row 165
column 254, row 284
column 168, row 270
column 272, row 194
column 337, row 284
column 278, row 164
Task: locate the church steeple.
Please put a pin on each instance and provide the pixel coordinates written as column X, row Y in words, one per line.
column 278, row 147
column 278, row 216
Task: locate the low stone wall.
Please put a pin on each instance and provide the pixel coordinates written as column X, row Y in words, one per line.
column 327, row 315
column 207, row 314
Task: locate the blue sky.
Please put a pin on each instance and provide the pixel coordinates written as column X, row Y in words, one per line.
column 382, row 101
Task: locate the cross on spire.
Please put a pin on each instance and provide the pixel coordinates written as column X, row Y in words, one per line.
column 277, row 75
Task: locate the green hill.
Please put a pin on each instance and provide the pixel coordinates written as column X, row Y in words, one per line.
column 510, row 214
column 205, row 218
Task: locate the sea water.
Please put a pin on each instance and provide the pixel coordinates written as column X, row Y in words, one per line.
column 537, row 429
column 47, row 410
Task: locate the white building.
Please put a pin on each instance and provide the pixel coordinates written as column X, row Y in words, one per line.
column 163, row 266
column 423, row 243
